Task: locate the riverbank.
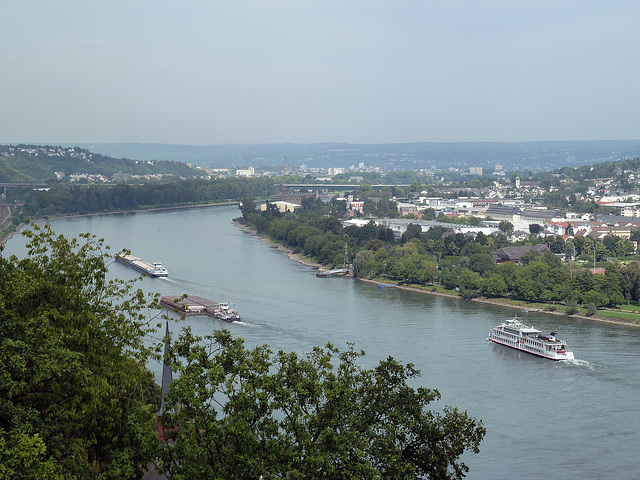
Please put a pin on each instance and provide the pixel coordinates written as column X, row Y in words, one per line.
column 281, row 248
column 519, row 306
column 501, row 302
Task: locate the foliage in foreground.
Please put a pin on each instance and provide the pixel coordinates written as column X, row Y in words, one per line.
column 76, row 400
column 239, row 413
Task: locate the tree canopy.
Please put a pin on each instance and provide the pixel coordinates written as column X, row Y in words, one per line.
column 77, row 401
column 75, row 396
column 239, row 413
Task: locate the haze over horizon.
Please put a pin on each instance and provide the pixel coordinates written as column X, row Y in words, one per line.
column 207, row 73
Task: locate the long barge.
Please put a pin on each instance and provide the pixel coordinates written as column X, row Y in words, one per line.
column 155, row 269
column 193, row 305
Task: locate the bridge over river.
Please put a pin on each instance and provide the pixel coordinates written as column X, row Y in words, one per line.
column 336, row 186
column 5, row 185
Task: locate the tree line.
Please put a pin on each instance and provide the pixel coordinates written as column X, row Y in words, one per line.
column 460, row 262
column 66, row 199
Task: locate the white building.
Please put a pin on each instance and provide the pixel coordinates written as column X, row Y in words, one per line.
column 282, row 206
column 248, row 172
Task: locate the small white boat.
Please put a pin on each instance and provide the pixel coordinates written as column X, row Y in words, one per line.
column 516, row 334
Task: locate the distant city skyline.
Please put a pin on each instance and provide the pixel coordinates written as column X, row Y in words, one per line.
column 210, row 73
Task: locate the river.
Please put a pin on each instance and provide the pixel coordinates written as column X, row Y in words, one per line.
column 578, row 419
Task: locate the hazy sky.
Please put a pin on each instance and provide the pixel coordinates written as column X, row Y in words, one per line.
column 269, row 71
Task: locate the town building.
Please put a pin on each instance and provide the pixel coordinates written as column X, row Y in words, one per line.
column 514, row 254
column 281, row 206
column 246, row 172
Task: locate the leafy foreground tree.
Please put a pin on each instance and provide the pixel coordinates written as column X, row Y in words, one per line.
column 76, row 400
column 234, row 413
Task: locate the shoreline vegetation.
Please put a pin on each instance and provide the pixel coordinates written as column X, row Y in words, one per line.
column 500, row 302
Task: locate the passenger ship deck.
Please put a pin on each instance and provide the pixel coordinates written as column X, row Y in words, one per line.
column 516, row 334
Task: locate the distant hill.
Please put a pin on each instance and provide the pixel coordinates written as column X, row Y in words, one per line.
column 535, row 156
column 39, row 163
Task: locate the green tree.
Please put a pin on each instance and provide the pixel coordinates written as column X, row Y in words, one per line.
column 611, row 284
column 481, row 239
column 428, row 271
column 506, row 226
column 429, row 214
column 469, row 280
column 551, row 259
column 556, row 243
column 362, row 263
column 533, row 281
column 509, row 272
column 595, row 297
column 532, row 255
column 412, row 231
column 76, row 400
column 449, row 276
column 482, row 263
column 583, row 245
column 419, row 269
column 494, row 285
column 247, row 206
column 243, row 413
column 582, row 281
column 630, row 281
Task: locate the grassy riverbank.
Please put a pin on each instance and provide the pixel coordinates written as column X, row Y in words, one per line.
column 625, row 315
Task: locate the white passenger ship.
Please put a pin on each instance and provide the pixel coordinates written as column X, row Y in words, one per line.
column 516, row 334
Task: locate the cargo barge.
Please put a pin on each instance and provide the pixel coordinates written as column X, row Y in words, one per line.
column 155, row 269
column 193, row 305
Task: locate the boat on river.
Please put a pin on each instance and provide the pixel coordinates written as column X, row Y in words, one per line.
column 155, row 269
column 188, row 305
column 516, row 334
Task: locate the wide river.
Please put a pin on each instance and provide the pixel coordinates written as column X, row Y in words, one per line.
column 570, row 419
